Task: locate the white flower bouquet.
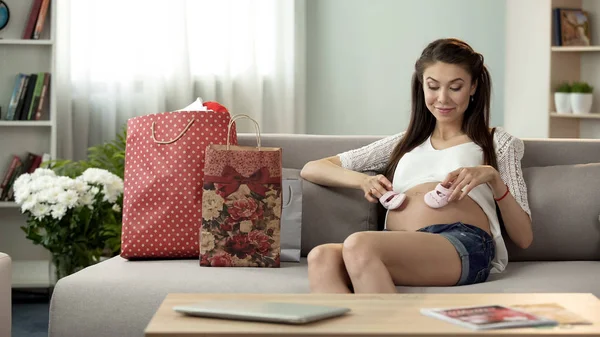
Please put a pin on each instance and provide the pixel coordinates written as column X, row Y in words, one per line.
column 76, row 219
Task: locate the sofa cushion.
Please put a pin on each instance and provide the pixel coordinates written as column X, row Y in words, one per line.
column 118, row 297
column 565, row 204
column 531, row 277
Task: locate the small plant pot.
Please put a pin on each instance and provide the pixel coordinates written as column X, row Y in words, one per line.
column 562, row 101
column 581, row 103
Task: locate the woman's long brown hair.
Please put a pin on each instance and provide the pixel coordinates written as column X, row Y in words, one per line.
column 477, row 116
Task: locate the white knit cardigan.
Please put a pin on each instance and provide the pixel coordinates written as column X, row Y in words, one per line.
column 509, row 152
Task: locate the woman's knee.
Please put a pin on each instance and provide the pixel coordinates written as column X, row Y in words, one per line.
column 358, row 251
column 324, row 255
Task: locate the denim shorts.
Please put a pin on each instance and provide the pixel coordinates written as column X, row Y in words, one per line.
column 475, row 247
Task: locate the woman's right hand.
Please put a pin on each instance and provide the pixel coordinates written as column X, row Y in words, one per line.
column 375, row 186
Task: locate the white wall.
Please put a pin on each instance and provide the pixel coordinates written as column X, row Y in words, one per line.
column 527, row 68
column 361, row 55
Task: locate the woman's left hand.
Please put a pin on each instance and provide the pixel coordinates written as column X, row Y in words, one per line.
column 468, row 178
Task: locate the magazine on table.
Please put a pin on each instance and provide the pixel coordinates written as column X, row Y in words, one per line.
column 485, row 317
column 553, row 311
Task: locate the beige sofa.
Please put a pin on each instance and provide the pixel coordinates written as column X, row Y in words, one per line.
column 5, row 295
column 119, row 297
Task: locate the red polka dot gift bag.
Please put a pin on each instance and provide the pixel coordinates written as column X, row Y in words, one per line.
column 164, row 162
column 241, row 205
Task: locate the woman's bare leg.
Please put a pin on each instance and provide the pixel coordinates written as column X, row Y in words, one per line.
column 326, row 270
column 378, row 261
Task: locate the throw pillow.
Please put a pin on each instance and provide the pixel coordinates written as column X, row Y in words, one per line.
column 331, row 214
column 564, row 202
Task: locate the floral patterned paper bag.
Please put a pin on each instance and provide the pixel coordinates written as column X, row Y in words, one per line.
column 241, row 205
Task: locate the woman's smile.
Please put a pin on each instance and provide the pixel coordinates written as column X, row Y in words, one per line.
column 444, row 110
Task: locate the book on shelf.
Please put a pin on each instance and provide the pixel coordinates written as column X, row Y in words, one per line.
column 16, row 161
column 18, row 166
column 21, row 81
column 29, row 97
column 37, row 18
column 31, row 84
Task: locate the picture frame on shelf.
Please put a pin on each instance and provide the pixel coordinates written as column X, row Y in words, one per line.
column 574, row 27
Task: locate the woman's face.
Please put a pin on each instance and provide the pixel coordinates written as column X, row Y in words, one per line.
column 448, row 90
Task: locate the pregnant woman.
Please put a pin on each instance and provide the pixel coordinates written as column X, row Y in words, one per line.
column 446, row 181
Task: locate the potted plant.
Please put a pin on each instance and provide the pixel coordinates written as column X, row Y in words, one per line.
column 562, row 98
column 581, row 97
column 74, row 219
column 109, row 156
column 85, row 227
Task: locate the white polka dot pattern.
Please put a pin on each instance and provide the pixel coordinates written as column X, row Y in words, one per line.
column 162, row 201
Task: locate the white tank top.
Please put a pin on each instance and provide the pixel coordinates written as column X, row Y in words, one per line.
column 425, row 164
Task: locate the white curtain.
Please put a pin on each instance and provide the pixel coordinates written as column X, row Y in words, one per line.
column 121, row 59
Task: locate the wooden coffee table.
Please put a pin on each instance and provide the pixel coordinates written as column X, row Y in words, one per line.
column 372, row 315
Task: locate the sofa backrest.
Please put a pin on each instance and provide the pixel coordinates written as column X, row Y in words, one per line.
column 563, row 194
column 563, row 186
column 550, row 152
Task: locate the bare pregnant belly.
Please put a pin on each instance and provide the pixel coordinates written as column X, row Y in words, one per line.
column 415, row 214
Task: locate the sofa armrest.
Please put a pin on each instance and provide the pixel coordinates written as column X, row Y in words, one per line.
column 5, row 295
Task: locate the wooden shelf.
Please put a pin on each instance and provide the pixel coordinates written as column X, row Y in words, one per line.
column 25, row 123
column 576, row 49
column 595, row 115
column 8, row 204
column 26, row 42
column 31, row 274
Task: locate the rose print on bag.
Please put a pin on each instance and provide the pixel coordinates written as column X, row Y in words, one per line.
column 274, row 203
column 243, row 230
column 246, row 208
column 221, row 260
column 212, row 205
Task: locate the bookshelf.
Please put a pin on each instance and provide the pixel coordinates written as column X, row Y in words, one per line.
column 575, row 63
column 576, row 116
column 8, row 204
column 535, row 65
column 26, row 123
column 27, row 42
column 31, row 263
column 582, row 49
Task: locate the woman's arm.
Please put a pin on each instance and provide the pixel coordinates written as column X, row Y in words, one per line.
column 329, row 172
column 516, row 220
column 346, row 169
column 514, row 207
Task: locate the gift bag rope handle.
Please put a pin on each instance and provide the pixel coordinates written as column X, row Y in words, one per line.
column 176, row 138
column 256, row 128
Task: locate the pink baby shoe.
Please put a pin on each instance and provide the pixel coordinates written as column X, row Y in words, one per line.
column 392, row 200
column 438, row 197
